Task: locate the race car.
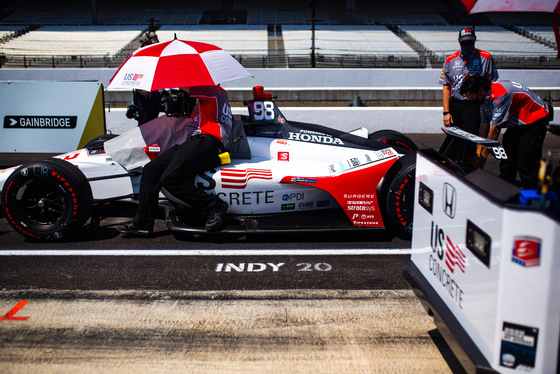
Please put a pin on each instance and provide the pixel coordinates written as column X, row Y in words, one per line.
column 282, row 176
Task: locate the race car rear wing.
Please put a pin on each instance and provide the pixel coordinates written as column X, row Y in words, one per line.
column 493, row 147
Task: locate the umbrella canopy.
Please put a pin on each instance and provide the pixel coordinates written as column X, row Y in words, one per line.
column 479, row 6
column 548, row 6
column 177, row 63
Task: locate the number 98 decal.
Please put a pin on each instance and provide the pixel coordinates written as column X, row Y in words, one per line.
column 499, row 153
column 263, row 110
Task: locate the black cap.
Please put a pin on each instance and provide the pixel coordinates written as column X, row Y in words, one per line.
column 467, row 33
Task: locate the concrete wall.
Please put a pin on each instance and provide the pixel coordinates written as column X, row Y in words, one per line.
column 323, row 84
column 404, row 119
column 305, row 78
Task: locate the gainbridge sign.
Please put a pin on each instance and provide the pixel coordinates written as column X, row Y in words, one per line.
column 50, row 117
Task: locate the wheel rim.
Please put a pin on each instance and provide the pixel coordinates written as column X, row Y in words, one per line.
column 41, row 203
column 405, row 201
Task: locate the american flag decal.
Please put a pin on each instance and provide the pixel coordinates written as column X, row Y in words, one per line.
column 454, row 257
column 238, row 179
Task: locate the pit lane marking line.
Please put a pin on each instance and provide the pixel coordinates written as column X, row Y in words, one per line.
column 10, row 315
column 205, row 252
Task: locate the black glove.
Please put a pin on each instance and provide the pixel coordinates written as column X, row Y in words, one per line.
column 132, row 112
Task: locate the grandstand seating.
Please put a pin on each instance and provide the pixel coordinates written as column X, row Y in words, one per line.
column 46, row 16
column 543, row 34
column 290, row 12
column 95, row 43
column 399, row 33
column 5, row 35
column 348, row 45
column 247, row 43
column 505, row 45
column 442, row 40
column 73, row 40
column 508, row 19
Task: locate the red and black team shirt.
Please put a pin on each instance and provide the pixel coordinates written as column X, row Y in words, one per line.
column 456, row 69
column 512, row 104
column 212, row 114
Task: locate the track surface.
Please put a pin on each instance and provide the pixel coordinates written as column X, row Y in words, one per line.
column 226, row 304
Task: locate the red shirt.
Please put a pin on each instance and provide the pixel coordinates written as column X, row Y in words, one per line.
column 212, row 114
column 513, row 104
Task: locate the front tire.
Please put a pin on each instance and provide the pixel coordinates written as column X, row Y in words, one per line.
column 394, row 139
column 47, row 200
column 397, row 193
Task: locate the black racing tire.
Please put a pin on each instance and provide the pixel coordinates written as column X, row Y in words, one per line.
column 394, row 139
column 47, row 200
column 397, row 196
column 97, row 142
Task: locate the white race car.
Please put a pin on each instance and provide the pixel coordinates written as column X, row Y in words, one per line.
column 283, row 176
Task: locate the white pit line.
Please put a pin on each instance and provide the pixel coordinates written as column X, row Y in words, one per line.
column 204, row 252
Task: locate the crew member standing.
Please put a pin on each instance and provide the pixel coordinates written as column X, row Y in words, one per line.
column 523, row 114
column 457, row 109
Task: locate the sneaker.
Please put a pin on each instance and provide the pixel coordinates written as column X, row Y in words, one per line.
column 216, row 216
column 130, row 229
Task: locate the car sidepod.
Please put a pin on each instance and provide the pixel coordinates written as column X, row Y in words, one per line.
column 352, row 181
column 288, row 176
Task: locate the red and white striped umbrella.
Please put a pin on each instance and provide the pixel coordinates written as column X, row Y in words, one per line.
column 177, row 63
column 479, row 6
column 547, row 6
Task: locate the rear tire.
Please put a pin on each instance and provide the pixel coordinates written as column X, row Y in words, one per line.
column 397, row 196
column 47, row 200
column 394, row 139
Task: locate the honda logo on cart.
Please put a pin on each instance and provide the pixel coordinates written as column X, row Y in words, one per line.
column 449, row 200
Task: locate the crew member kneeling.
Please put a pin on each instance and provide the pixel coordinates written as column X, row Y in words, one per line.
column 176, row 168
